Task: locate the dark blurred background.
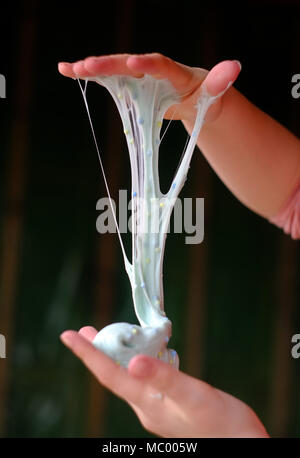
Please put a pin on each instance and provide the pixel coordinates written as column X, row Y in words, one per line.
column 234, row 299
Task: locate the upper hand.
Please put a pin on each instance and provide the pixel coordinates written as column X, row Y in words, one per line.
column 186, row 80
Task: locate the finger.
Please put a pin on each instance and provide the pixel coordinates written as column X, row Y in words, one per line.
column 159, row 66
column 167, row 380
column 66, row 69
column 110, row 65
column 221, row 75
column 80, row 70
column 73, row 70
column 102, row 65
column 114, row 377
column 88, row 332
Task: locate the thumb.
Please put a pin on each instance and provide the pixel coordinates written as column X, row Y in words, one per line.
column 221, row 76
column 166, row 379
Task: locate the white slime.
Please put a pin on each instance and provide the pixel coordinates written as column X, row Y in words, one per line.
column 142, row 103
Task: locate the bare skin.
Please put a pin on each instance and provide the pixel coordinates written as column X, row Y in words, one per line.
column 259, row 160
column 256, row 157
column 189, row 407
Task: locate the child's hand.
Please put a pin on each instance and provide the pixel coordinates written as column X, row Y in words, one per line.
column 168, row 402
column 187, row 80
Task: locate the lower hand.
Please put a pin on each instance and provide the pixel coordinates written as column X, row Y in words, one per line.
column 167, row 402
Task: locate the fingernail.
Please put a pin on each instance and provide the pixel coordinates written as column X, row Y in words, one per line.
column 142, row 368
column 238, row 62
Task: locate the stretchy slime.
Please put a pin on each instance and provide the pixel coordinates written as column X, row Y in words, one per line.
column 142, row 103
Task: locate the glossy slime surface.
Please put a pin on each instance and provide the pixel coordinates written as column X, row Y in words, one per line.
column 142, row 103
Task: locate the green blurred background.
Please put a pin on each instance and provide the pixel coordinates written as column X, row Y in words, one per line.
column 234, row 299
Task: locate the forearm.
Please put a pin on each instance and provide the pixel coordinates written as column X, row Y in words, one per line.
column 256, row 157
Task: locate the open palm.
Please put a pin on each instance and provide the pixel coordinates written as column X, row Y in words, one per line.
column 168, row 402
